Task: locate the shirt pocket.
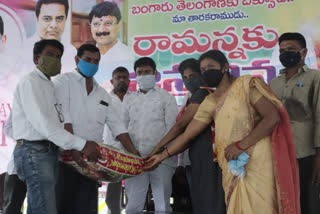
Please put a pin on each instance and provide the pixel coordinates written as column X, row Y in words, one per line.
column 101, row 113
column 298, row 103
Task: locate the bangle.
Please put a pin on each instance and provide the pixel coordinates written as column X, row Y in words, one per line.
column 238, row 147
column 168, row 152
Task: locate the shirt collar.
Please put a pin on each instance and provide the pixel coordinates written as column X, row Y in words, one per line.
column 304, row 68
column 82, row 78
column 41, row 74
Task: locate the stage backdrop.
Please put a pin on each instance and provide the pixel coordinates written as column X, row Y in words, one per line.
column 168, row 31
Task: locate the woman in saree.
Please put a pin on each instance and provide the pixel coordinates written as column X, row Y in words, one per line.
column 206, row 175
column 248, row 118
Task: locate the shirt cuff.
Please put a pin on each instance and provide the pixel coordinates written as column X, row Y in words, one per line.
column 79, row 144
column 118, row 132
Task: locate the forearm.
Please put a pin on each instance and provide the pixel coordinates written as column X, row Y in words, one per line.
column 175, row 131
column 176, row 147
column 68, row 127
column 262, row 130
column 127, row 143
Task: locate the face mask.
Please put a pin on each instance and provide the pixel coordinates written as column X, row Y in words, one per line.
column 290, row 59
column 87, row 69
column 146, row 82
column 51, row 66
column 193, row 84
column 212, row 77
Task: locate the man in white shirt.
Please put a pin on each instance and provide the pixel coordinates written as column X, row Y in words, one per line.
column 105, row 21
column 149, row 114
column 120, row 81
column 37, row 128
column 51, row 18
column 86, row 107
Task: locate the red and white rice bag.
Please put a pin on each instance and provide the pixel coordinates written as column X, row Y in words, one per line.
column 115, row 165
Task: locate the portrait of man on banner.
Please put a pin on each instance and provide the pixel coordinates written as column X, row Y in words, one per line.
column 52, row 22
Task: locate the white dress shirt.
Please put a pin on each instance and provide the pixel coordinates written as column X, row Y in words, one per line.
column 108, row 138
column 9, row 133
column 149, row 117
column 36, row 113
column 118, row 55
column 85, row 112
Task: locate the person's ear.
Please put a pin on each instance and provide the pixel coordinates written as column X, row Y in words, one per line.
column 225, row 68
column 36, row 59
column 111, row 81
column 4, row 39
column 118, row 26
column 77, row 59
column 304, row 53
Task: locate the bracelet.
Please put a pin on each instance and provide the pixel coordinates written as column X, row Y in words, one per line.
column 238, row 147
column 168, row 152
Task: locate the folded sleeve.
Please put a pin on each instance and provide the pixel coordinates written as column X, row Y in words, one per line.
column 205, row 111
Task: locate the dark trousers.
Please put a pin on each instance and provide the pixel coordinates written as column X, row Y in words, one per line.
column 14, row 194
column 76, row 194
column 309, row 193
column 206, row 176
column 1, row 189
column 113, row 197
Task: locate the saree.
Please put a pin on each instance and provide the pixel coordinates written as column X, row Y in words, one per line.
column 271, row 184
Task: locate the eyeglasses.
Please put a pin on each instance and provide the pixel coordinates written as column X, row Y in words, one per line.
column 59, row 111
column 105, row 24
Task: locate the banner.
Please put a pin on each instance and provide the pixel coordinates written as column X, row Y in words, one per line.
column 168, row 31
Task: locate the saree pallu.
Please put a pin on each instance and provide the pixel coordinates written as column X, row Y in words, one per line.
column 271, row 184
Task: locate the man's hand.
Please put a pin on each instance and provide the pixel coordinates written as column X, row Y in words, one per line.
column 316, row 170
column 91, row 151
column 77, row 157
column 125, row 140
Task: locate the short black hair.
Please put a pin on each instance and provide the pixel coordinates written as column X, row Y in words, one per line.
column 144, row 61
column 1, row 26
column 216, row 55
column 191, row 63
column 294, row 36
column 65, row 3
column 120, row 70
column 105, row 9
column 40, row 45
column 87, row 47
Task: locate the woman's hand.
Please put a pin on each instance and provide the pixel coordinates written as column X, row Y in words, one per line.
column 153, row 162
column 232, row 151
column 155, row 150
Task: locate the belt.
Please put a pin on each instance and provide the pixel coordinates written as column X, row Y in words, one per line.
column 20, row 142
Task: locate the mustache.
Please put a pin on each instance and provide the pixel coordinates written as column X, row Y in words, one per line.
column 103, row 33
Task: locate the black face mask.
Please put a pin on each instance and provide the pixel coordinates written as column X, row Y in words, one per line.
column 290, row 59
column 212, row 77
column 193, row 84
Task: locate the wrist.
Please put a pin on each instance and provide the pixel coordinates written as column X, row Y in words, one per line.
column 240, row 146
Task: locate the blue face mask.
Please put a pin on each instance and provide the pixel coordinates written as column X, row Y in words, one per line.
column 87, row 69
